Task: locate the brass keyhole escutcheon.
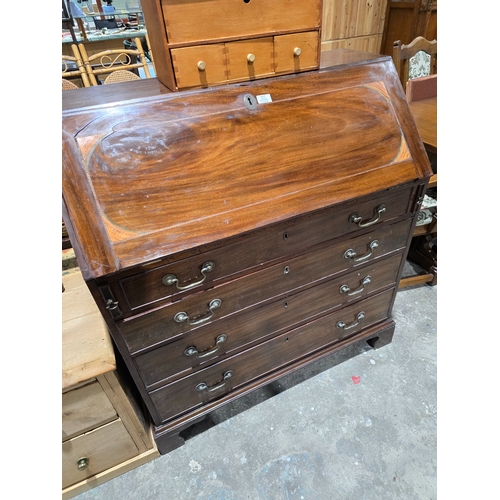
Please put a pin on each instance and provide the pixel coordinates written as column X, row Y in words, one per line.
column 249, row 101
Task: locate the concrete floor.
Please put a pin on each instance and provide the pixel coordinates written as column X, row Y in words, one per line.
column 322, row 436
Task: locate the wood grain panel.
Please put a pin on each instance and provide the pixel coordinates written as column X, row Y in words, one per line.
column 370, row 44
column 339, row 19
column 218, row 19
column 140, row 195
column 139, row 181
column 370, row 17
column 352, row 18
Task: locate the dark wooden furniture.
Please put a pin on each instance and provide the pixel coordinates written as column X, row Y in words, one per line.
column 232, row 235
column 200, row 44
column 405, row 20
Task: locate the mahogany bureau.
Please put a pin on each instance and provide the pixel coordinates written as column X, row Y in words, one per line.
column 234, row 234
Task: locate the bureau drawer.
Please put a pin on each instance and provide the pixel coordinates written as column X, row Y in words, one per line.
column 249, row 59
column 261, row 247
column 327, row 260
column 219, row 379
column 235, row 332
column 95, row 452
column 84, row 409
column 200, row 65
column 296, row 52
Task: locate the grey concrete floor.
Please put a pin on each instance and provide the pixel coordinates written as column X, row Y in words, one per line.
column 321, row 436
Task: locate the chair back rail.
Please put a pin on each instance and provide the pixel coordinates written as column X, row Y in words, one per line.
column 111, row 60
column 403, row 53
column 74, row 60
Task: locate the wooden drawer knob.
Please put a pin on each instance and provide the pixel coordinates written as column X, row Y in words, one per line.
column 297, row 51
column 251, row 58
column 202, row 65
column 82, row 463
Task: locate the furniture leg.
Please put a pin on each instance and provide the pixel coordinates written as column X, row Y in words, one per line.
column 383, row 338
column 169, row 440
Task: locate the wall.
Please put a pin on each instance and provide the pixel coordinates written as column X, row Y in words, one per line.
column 353, row 24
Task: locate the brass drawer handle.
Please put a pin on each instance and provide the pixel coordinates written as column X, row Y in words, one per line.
column 204, row 387
column 251, row 58
column 182, row 317
column 359, row 317
column 202, row 65
column 357, row 219
column 297, row 51
column 82, row 463
column 171, row 279
column 192, row 351
column 111, row 305
column 351, row 254
column 345, row 288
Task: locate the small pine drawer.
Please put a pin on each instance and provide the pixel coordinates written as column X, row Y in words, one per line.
column 249, row 59
column 200, row 65
column 91, row 453
column 84, row 409
column 296, row 52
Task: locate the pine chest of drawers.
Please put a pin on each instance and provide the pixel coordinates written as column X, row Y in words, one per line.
column 231, row 235
column 200, row 44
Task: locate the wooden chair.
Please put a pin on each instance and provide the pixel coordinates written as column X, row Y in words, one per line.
column 109, row 61
column 403, row 56
column 72, row 67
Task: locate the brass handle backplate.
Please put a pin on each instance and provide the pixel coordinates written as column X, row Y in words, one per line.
column 182, row 317
column 171, row 279
column 192, row 351
column 204, row 387
column 357, row 219
column 359, row 317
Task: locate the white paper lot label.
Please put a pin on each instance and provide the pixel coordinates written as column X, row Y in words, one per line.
column 263, row 98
